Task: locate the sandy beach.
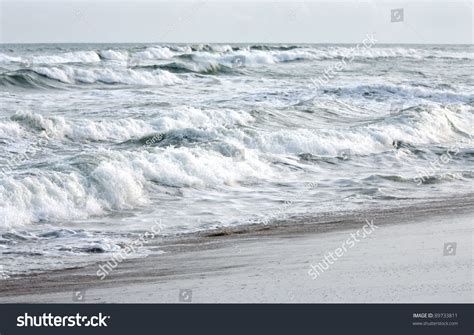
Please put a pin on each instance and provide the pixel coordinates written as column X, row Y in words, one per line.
column 404, row 259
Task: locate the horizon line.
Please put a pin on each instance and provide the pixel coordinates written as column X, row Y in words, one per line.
column 294, row 43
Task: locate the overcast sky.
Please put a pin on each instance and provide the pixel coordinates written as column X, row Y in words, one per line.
column 348, row 21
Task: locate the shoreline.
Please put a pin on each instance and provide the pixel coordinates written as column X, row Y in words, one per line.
column 270, row 263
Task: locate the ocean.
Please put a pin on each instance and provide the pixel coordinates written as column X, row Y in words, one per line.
column 102, row 142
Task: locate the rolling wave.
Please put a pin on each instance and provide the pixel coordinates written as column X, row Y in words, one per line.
column 156, row 65
column 49, row 77
column 169, row 156
column 275, row 52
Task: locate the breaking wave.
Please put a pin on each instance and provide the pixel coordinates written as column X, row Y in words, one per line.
column 141, row 66
column 229, row 152
column 45, row 77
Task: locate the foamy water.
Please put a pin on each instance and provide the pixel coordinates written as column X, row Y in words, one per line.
column 99, row 142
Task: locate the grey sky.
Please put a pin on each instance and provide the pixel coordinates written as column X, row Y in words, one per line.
column 38, row 21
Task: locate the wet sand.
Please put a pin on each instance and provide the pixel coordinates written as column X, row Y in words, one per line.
column 404, row 259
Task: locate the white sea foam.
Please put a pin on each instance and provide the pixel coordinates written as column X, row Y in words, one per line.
column 384, row 52
column 222, row 53
column 221, row 47
column 248, row 58
column 8, row 59
column 119, row 182
column 120, row 179
column 81, row 130
column 44, row 197
column 125, row 129
column 68, row 57
column 71, row 75
column 182, row 49
column 153, row 53
column 191, row 117
column 433, row 125
column 10, row 130
column 114, row 55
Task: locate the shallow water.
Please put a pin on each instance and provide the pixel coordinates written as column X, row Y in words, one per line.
column 101, row 142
